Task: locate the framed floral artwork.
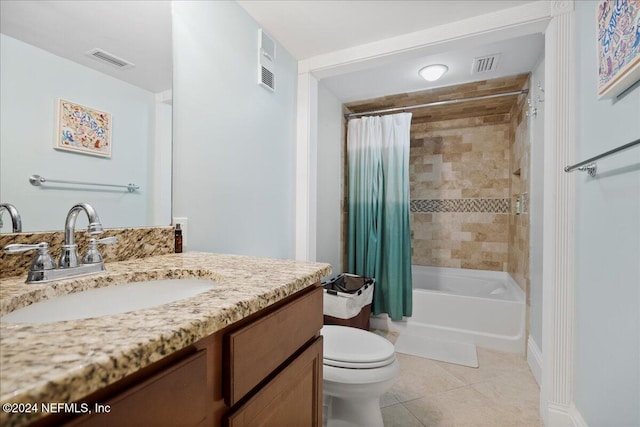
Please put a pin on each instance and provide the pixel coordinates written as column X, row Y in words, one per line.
column 618, row 39
column 83, row 129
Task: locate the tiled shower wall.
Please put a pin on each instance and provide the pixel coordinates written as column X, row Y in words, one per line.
column 460, row 188
column 467, row 178
column 518, row 265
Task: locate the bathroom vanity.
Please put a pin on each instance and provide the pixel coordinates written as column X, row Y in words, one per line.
column 247, row 352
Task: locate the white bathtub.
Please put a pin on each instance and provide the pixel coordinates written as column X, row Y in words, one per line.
column 485, row 308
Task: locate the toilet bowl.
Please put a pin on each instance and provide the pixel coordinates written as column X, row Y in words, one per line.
column 358, row 368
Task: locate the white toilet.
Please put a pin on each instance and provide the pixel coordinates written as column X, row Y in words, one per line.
column 358, row 368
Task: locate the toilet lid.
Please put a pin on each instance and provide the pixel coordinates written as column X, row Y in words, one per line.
column 355, row 348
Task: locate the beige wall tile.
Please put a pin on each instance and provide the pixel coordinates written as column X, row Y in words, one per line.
column 518, row 263
column 471, row 158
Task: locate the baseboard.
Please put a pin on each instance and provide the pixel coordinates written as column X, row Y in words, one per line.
column 534, row 359
column 576, row 417
column 565, row 416
column 558, row 416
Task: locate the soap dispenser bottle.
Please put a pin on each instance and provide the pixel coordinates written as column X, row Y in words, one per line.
column 178, row 242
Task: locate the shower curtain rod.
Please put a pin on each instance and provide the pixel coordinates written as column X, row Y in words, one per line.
column 433, row 104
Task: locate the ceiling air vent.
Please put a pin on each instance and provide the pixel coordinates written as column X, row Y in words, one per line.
column 110, row 59
column 266, row 61
column 484, row 64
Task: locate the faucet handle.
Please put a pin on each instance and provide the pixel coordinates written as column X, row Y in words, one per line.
column 93, row 255
column 16, row 248
column 42, row 261
column 106, row 240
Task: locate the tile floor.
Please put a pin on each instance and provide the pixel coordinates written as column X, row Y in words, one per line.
column 501, row 392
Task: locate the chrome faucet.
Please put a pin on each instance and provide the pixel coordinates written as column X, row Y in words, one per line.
column 43, row 268
column 16, row 222
column 69, row 255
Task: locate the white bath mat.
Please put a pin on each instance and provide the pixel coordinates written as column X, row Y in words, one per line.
column 445, row 351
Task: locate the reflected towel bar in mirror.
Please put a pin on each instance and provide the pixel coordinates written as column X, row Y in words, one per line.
column 38, row 180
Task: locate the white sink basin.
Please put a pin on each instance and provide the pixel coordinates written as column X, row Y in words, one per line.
column 109, row 300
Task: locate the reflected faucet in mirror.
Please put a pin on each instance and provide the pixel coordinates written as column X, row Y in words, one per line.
column 16, row 222
column 43, row 268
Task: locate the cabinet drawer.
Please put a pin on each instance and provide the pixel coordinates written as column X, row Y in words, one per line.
column 177, row 396
column 292, row 398
column 256, row 350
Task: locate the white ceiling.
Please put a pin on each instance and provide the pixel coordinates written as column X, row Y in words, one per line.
column 137, row 31
column 517, row 56
column 310, row 28
column 140, row 32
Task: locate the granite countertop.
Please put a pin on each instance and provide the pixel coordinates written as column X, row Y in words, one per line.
column 66, row 361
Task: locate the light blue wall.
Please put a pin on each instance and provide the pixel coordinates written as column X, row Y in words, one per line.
column 330, row 179
column 234, row 141
column 607, row 353
column 31, row 81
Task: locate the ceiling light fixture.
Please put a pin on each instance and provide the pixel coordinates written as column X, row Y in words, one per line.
column 431, row 73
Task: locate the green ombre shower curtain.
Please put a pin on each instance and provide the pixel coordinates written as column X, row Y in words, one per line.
column 379, row 235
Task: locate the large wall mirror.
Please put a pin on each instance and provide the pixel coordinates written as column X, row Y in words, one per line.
column 46, row 56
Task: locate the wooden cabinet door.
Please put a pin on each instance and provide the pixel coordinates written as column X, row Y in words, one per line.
column 177, row 396
column 259, row 348
column 293, row 398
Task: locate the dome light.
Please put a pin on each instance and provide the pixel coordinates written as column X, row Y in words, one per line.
column 431, row 73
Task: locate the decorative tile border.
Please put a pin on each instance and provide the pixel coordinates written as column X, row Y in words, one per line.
column 461, row 205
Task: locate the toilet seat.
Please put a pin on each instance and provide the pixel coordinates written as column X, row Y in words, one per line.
column 352, row 348
column 358, row 368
